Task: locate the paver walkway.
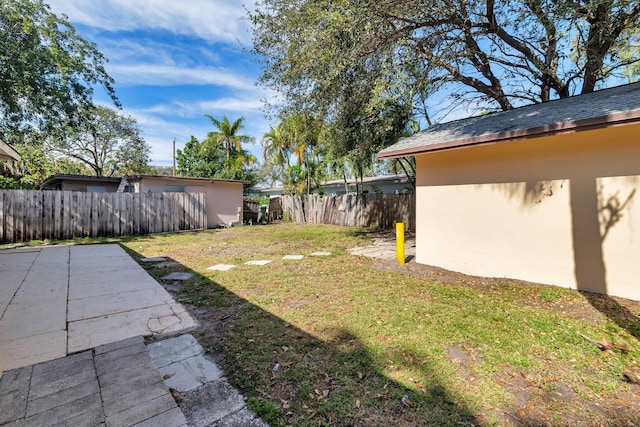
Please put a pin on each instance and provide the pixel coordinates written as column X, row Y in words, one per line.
column 385, row 248
column 113, row 385
column 60, row 300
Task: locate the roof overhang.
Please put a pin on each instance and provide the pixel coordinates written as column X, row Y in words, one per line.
column 607, row 121
column 186, row 178
column 8, row 153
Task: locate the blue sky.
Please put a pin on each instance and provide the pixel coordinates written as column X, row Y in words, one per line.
column 173, row 62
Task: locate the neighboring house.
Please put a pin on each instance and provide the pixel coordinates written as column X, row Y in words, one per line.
column 8, row 153
column 546, row 193
column 224, row 196
column 89, row 184
column 389, row 184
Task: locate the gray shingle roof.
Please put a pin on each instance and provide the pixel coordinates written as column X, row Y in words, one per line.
column 597, row 109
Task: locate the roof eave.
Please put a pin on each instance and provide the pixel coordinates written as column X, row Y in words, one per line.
column 8, row 153
column 192, row 178
column 607, row 121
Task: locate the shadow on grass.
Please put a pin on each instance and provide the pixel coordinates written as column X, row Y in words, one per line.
column 291, row 377
column 615, row 312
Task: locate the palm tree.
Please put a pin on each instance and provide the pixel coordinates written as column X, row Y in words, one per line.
column 275, row 147
column 227, row 134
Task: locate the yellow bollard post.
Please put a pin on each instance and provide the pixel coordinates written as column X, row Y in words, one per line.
column 400, row 242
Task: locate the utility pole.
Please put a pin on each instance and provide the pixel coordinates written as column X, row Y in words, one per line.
column 174, row 157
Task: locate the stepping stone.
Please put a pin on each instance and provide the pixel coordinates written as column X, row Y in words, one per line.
column 178, row 276
column 167, row 264
column 156, row 259
column 182, row 364
column 258, row 262
column 321, row 254
column 220, row 267
column 173, row 287
column 293, row 257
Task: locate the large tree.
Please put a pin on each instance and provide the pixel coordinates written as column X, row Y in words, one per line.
column 107, row 142
column 228, row 134
column 47, row 71
column 492, row 53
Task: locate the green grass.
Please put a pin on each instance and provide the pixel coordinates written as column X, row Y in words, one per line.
column 351, row 339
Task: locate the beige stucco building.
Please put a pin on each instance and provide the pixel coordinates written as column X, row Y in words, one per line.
column 546, row 193
column 224, row 196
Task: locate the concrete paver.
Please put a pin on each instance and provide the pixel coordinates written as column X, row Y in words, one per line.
column 162, row 319
column 178, row 276
column 293, row 257
column 320, row 253
column 155, row 259
column 228, row 404
column 87, row 308
column 385, row 248
column 181, row 361
column 220, row 267
column 258, row 262
column 14, row 389
column 115, row 385
column 33, row 349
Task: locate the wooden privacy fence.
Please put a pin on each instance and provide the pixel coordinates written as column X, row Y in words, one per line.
column 250, row 210
column 361, row 210
column 36, row 215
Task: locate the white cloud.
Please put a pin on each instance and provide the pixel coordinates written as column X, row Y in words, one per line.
column 214, row 21
column 159, row 132
column 168, row 75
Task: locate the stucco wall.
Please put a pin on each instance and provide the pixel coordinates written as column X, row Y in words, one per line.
column 109, row 187
column 223, row 198
column 560, row 210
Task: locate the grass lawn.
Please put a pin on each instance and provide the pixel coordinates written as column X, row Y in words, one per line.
column 346, row 340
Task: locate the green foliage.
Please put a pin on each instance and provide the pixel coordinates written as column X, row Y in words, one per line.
column 266, row 410
column 9, row 183
column 350, row 61
column 160, row 170
column 47, row 71
column 220, row 155
column 36, row 165
column 106, row 142
column 299, row 136
column 227, row 135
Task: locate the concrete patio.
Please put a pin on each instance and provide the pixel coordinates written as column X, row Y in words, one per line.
column 95, row 304
column 113, row 385
column 61, row 300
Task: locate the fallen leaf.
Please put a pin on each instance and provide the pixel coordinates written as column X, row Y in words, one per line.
column 357, row 403
column 405, row 401
column 521, row 414
column 360, row 376
column 176, row 395
column 167, row 376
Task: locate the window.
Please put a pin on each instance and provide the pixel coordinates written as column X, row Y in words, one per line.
column 96, row 189
column 174, row 188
